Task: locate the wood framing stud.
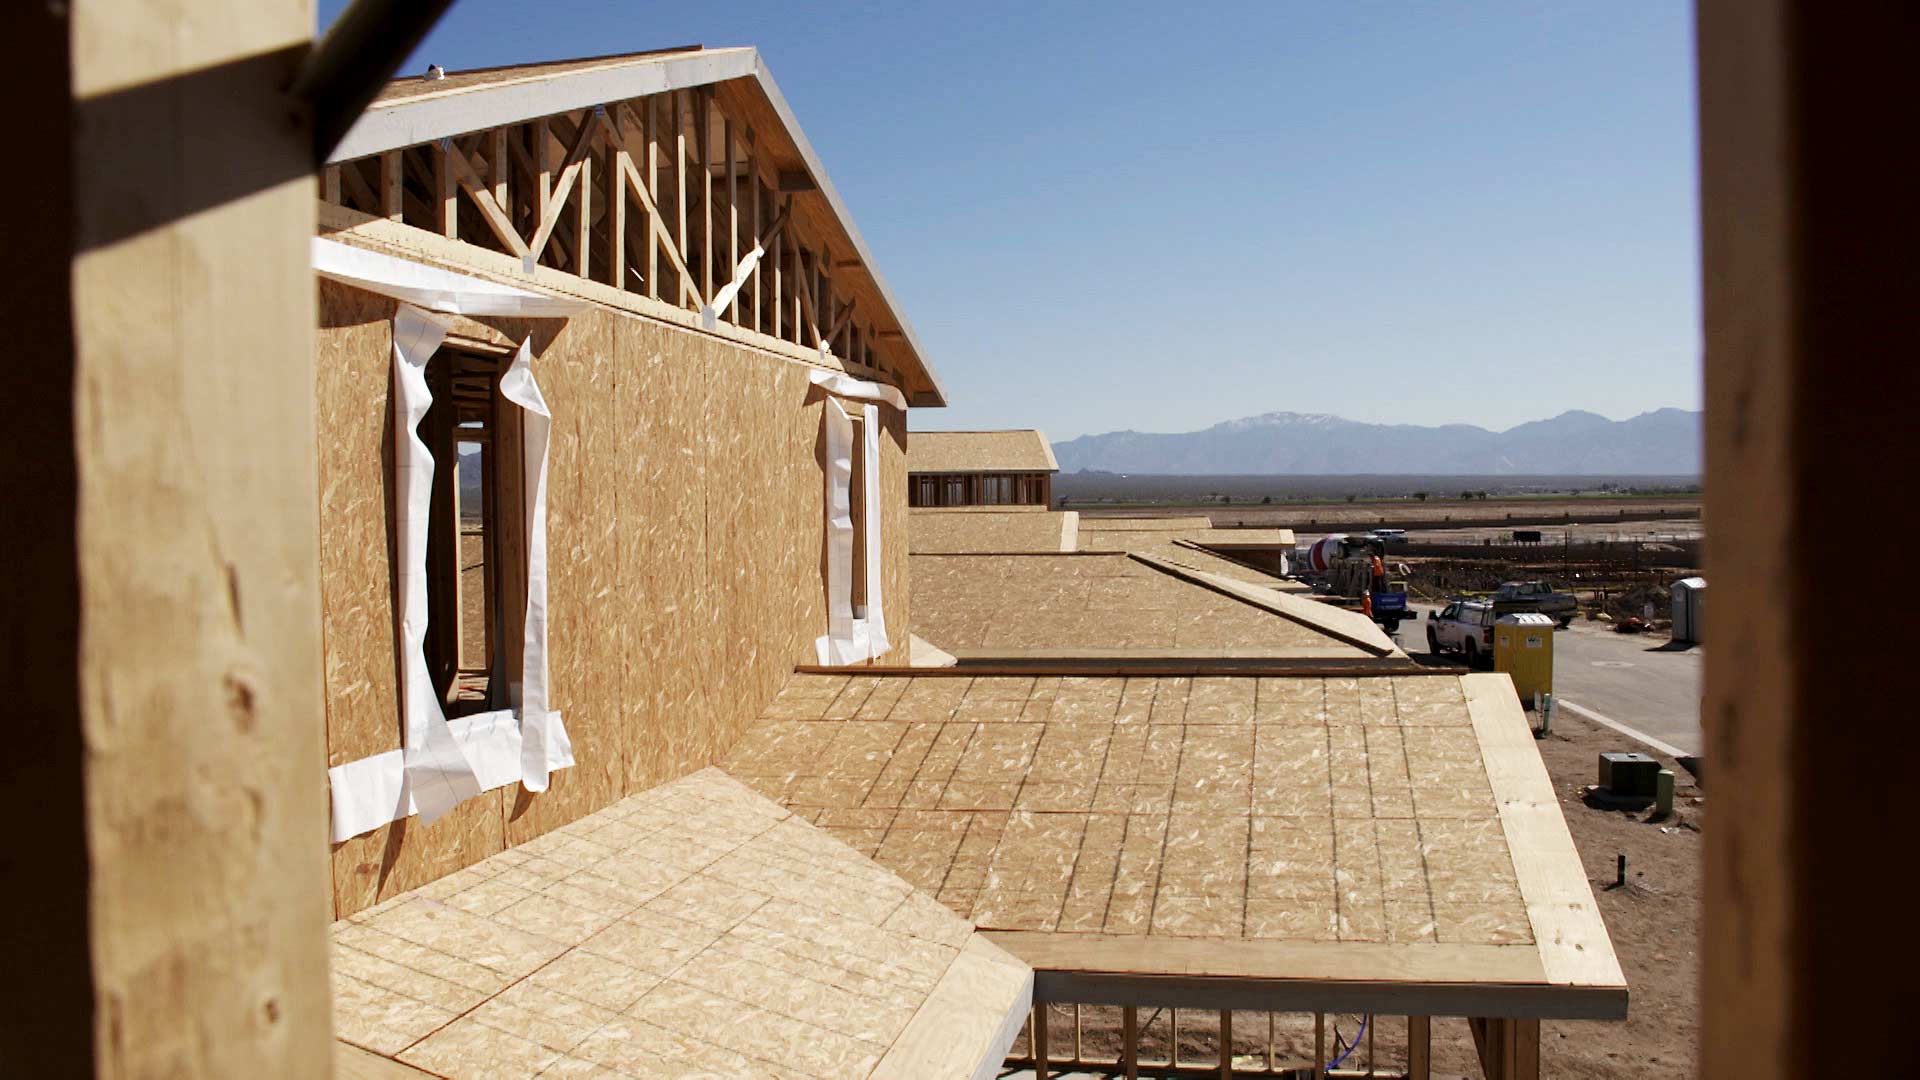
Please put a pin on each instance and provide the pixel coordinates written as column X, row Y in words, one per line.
column 1419, row 1048
column 392, row 186
column 491, row 212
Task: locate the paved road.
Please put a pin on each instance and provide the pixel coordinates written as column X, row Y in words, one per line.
column 1635, row 680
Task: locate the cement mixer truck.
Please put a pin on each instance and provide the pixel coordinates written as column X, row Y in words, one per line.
column 1352, row 571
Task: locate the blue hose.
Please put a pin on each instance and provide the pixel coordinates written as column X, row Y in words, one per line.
column 1335, row 1063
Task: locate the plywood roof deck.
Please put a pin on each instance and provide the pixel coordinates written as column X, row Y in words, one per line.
column 1187, row 547
column 1112, row 605
column 979, row 530
column 980, row 452
column 1384, row 844
column 678, row 932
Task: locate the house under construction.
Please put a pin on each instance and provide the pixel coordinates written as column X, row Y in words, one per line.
column 595, row 894
column 629, row 763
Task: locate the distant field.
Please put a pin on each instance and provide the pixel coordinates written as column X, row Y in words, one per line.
column 1087, row 490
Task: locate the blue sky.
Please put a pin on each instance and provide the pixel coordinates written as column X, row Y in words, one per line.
column 1159, row 216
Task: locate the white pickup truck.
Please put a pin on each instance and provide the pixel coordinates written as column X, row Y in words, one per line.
column 1465, row 627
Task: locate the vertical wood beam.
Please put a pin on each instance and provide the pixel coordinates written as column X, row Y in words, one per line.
column 656, row 228
column 753, row 182
column 1808, row 228
column 733, row 222
column 392, row 185
column 823, row 294
column 164, row 895
column 542, row 134
column 499, row 166
column 1419, row 1048
column 583, row 221
column 1039, row 1042
column 707, row 253
column 773, row 286
column 680, row 176
column 330, row 184
column 446, row 194
column 618, row 162
column 1129, row 1040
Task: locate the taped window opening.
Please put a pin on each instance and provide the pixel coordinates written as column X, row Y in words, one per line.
column 472, row 562
column 853, row 635
column 857, row 504
column 511, row 734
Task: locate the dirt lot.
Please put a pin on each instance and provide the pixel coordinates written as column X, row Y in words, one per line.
column 1654, row 923
column 1410, row 513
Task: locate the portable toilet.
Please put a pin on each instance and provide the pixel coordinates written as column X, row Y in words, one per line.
column 1523, row 648
column 1689, row 607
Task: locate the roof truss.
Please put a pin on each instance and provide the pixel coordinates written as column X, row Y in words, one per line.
column 684, row 193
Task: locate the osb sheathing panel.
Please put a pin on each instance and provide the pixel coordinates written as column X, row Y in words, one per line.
column 354, row 380
column 944, row 532
column 685, row 548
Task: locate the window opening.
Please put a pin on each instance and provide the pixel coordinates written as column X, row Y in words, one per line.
column 858, row 504
column 463, row 549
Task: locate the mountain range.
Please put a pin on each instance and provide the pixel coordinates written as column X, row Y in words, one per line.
column 1665, row 442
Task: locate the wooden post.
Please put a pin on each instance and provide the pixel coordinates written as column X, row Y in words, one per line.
column 733, row 219
column 583, row 223
column 656, row 228
column 753, row 183
column 392, row 185
column 680, row 201
column 705, row 133
column 1226, row 1044
column 542, row 134
column 446, row 206
column 1130, row 1041
column 779, row 263
column 619, row 161
column 164, row 894
column 1039, row 1041
column 499, row 167
column 1809, row 294
column 1419, row 1048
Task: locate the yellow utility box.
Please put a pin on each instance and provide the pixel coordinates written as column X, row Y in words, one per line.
column 1523, row 648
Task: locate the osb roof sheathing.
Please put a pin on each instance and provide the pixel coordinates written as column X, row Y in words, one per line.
column 1398, row 836
column 979, row 451
column 693, row 926
column 1038, row 606
column 1094, row 523
column 1166, row 544
column 968, row 531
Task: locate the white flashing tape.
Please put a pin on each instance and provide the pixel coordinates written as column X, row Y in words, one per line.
column 544, row 744
column 836, row 647
column 373, row 791
column 430, row 287
column 438, row 774
column 839, row 382
column 875, row 623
